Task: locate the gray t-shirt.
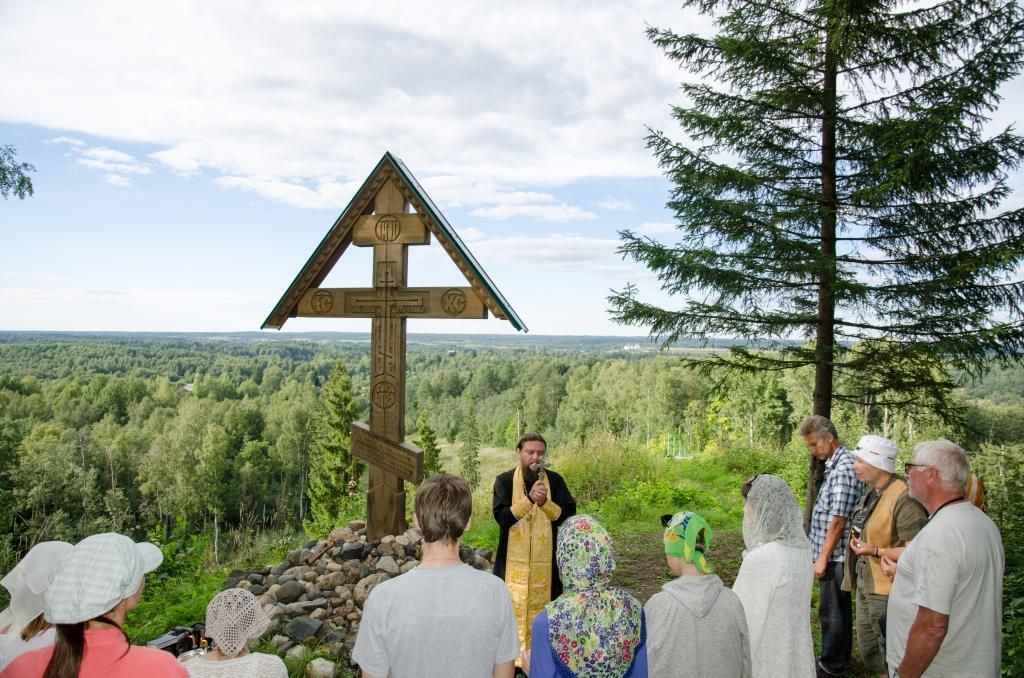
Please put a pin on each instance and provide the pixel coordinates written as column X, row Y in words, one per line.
column 445, row 622
column 953, row 566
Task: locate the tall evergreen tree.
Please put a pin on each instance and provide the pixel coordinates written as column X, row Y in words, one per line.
column 428, row 443
column 839, row 184
column 333, row 471
column 469, row 455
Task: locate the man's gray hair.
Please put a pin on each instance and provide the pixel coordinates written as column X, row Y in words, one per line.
column 946, row 457
column 817, row 425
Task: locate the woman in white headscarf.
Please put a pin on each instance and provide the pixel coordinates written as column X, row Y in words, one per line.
column 233, row 618
column 22, row 627
column 774, row 582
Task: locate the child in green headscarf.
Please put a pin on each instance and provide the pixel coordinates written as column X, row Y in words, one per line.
column 694, row 621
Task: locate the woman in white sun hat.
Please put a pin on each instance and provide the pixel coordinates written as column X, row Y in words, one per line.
column 94, row 586
column 881, row 526
column 233, row 618
column 22, row 627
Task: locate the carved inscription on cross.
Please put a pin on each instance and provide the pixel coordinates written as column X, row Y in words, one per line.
column 389, row 230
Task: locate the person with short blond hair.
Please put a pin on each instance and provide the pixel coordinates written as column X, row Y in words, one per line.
column 442, row 618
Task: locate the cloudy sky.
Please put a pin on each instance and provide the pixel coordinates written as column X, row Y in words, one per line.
column 191, row 155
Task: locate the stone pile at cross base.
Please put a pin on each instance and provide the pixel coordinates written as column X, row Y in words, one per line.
column 315, row 597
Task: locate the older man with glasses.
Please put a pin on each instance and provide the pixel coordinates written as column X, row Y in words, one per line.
column 944, row 616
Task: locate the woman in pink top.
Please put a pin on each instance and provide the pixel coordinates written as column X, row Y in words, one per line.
column 93, row 588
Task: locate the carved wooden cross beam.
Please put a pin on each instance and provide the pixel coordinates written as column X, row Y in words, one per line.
column 389, row 213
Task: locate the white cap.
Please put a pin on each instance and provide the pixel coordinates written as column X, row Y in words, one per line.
column 233, row 618
column 98, row 573
column 878, row 451
column 26, row 584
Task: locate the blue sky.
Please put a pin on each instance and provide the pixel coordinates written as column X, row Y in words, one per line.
column 191, row 155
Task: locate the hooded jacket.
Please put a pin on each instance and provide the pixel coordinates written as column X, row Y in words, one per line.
column 696, row 626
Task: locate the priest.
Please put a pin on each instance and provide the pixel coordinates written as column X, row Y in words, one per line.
column 529, row 503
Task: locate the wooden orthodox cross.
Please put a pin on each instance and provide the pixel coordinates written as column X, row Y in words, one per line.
column 390, row 213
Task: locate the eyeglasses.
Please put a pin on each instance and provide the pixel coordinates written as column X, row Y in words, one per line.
column 908, row 465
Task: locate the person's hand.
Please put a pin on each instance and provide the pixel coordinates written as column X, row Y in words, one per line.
column 524, row 658
column 862, row 548
column 888, row 567
column 820, row 565
column 539, row 493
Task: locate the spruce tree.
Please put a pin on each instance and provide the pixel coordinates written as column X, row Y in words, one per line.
column 333, row 471
column 469, row 455
column 838, row 183
column 428, row 443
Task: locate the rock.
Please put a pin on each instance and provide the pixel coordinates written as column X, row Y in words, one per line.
column 403, row 540
column 320, row 668
column 412, row 551
column 304, row 607
column 255, row 578
column 319, row 614
column 353, row 550
column 270, row 580
column 272, row 591
column 257, row 590
column 333, row 580
column 295, row 557
column 265, row 600
column 365, row 585
column 280, row 568
column 387, row 564
column 486, row 554
column 298, row 571
column 333, row 567
column 285, row 578
column 244, row 584
column 413, row 535
column 343, row 592
column 279, row 641
column 273, row 611
column 297, row 653
column 357, row 525
column 290, row 592
column 302, row 628
column 466, row 554
column 387, row 539
column 408, row 565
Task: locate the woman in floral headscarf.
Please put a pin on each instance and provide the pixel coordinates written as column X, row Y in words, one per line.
column 592, row 629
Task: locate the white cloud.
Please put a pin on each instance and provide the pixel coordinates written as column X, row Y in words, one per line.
column 324, row 195
column 611, row 203
column 118, row 180
column 655, row 228
column 110, row 160
column 475, row 92
column 67, row 140
column 559, row 212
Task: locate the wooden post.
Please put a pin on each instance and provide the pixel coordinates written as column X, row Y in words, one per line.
column 385, row 500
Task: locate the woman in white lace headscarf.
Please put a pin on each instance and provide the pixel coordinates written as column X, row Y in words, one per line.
column 775, row 579
column 233, row 618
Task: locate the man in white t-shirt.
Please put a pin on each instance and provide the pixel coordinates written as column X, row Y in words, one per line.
column 442, row 618
column 944, row 616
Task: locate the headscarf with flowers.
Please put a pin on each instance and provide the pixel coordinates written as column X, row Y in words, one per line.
column 595, row 629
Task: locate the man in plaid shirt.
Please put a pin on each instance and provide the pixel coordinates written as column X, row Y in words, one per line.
column 838, row 497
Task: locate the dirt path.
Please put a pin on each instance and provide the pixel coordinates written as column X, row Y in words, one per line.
column 640, row 569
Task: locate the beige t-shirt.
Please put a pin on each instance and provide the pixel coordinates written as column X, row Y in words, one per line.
column 954, row 566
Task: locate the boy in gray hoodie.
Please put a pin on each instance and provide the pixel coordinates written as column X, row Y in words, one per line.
column 695, row 626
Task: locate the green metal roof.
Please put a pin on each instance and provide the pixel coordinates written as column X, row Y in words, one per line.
column 339, row 237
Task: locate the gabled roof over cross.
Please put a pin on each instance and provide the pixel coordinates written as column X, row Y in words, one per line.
column 341, row 234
